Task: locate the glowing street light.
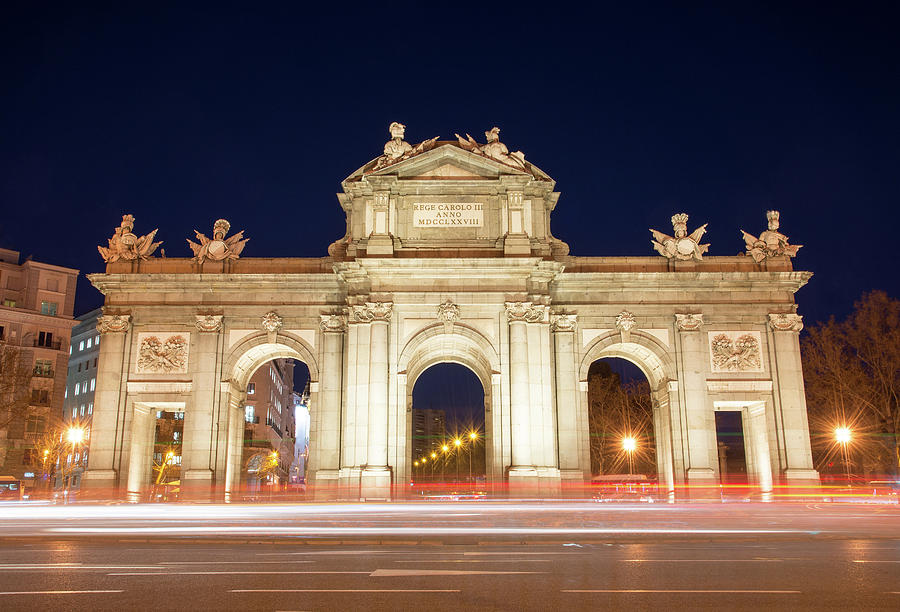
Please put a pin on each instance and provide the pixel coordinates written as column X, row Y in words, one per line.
column 75, row 435
column 844, row 436
column 629, row 445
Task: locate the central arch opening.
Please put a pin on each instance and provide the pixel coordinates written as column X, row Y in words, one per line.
column 621, row 423
column 448, row 431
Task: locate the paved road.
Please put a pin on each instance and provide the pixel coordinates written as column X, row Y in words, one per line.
column 738, row 557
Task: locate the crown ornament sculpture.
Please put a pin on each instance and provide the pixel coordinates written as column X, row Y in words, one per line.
column 125, row 245
column 681, row 246
column 771, row 243
column 219, row 247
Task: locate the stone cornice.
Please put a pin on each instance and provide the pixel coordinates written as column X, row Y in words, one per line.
column 687, row 281
column 223, row 283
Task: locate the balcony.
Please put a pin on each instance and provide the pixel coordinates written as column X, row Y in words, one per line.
column 51, row 344
column 43, row 372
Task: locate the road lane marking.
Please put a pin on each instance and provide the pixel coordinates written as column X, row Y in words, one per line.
column 167, row 563
column 678, row 591
column 517, row 553
column 344, row 591
column 699, row 560
column 418, row 572
column 418, row 531
column 65, row 566
column 874, row 561
column 224, row 573
column 56, row 592
column 475, row 561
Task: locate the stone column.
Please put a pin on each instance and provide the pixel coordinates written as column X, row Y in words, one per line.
column 380, row 241
column 142, row 432
column 376, row 477
column 516, row 241
column 197, row 461
column 791, row 398
column 563, row 328
column 325, row 454
column 109, row 399
column 522, row 468
column 700, row 425
column 235, row 444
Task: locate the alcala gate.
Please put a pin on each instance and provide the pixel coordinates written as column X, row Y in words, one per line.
column 448, row 257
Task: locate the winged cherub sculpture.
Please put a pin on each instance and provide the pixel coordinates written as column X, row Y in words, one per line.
column 126, row 246
column 771, row 243
column 219, row 247
column 682, row 246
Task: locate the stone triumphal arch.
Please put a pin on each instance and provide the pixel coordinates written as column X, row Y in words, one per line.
column 448, row 257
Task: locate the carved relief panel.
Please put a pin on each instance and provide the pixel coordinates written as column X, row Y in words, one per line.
column 735, row 351
column 162, row 353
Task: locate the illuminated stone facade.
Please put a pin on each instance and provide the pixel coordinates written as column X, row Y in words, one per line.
column 448, row 257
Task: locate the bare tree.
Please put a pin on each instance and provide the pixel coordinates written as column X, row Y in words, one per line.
column 15, row 393
column 852, row 374
column 616, row 411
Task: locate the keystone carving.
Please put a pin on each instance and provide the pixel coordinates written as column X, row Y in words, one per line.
column 219, row 247
column 771, row 243
column 448, row 312
column 682, row 246
column 625, row 321
column 562, row 322
column 332, row 323
column 209, row 323
column 524, row 311
column 786, row 322
column 125, row 245
column 271, row 322
column 113, row 323
column 688, row 322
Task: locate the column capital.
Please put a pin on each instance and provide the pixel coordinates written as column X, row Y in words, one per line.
column 781, row 322
column 689, row 322
column 209, row 323
column 333, row 323
column 107, row 324
column 525, row 312
column 372, row 312
column 563, row 322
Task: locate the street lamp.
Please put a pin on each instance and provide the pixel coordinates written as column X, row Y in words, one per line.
column 844, row 436
column 629, row 445
column 433, row 457
column 445, row 449
column 75, row 437
column 473, row 436
column 457, row 443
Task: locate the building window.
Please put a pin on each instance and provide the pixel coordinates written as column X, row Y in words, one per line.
column 9, row 303
column 45, row 339
column 97, row 340
column 249, row 414
column 95, row 362
column 82, row 410
column 89, row 341
column 94, row 380
column 43, row 367
column 176, row 435
column 74, row 412
column 35, row 424
column 251, row 388
column 79, row 367
column 76, row 388
column 81, row 345
column 1, row 332
column 91, row 408
column 178, row 416
column 40, row 397
column 48, row 308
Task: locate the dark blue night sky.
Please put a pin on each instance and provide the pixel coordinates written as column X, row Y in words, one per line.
column 181, row 113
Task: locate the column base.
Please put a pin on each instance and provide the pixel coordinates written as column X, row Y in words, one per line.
column 800, row 484
column 517, row 245
column 702, row 485
column 324, row 485
column 197, row 485
column 99, row 484
column 380, row 245
column 375, row 484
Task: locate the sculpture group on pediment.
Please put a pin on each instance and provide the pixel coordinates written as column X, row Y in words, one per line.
column 219, row 247
column 397, row 149
column 125, row 245
column 493, row 149
column 771, row 243
column 681, row 246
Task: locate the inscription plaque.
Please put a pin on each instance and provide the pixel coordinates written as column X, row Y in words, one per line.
column 441, row 214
